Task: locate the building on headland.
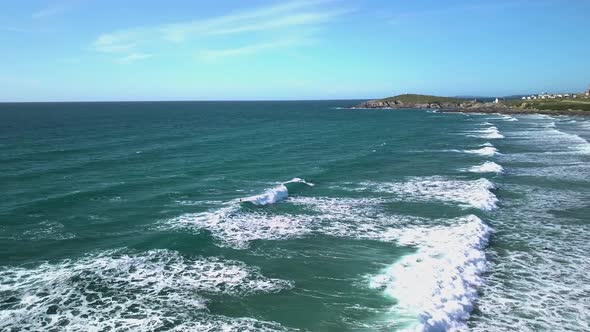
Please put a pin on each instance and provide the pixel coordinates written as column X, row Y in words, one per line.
column 546, row 95
column 496, row 101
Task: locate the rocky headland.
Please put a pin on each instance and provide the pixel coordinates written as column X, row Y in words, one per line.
column 445, row 104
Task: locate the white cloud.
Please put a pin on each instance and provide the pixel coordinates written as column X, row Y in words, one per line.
column 120, row 42
column 49, row 11
column 212, row 55
column 290, row 14
column 133, row 57
column 266, row 25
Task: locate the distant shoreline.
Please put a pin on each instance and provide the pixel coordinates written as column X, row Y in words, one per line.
column 512, row 111
column 457, row 105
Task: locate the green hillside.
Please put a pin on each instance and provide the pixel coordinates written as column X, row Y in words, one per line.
column 423, row 99
column 582, row 104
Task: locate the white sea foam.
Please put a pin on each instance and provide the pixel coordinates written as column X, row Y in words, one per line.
column 271, row 196
column 435, row 287
column 235, row 228
column 487, row 167
column 438, row 284
column 226, row 324
column 487, row 151
column 115, row 291
column 540, row 282
column 491, row 133
column 358, row 218
column 330, row 208
column 509, row 118
column 275, row 194
column 549, row 140
column 475, row 193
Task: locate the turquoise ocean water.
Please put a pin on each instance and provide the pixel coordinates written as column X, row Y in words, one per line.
column 241, row 216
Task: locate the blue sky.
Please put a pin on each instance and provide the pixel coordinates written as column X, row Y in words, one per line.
column 65, row 50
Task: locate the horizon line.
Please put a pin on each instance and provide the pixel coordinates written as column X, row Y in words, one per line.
column 229, row 100
column 179, row 100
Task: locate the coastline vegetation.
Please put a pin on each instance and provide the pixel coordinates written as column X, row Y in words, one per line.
column 563, row 104
column 423, row 99
column 580, row 104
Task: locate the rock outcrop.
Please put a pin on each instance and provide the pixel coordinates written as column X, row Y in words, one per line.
column 381, row 103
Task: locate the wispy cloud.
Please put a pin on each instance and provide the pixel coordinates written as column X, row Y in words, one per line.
column 13, row 29
column 273, row 24
column 133, row 57
column 250, row 49
column 281, row 16
column 50, row 11
column 118, row 42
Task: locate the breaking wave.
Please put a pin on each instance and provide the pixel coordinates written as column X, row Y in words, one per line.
column 487, row 167
column 487, row 151
column 489, row 133
column 477, row 194
column 509, row 118
column 275, row 194
column 438, row 284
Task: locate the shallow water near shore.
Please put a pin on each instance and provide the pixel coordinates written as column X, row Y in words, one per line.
column 281, row 216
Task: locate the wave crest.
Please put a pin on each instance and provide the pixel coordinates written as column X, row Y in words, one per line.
column 487, row 151
column 489, row 133
column 438, row 284
column 487, row 167
column 275, row 194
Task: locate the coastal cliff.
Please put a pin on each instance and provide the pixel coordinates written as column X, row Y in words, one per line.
column 399, row 104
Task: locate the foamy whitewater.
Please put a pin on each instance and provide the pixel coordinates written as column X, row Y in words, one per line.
column 275, row 194
column 487, row 167
column 179, row 217
column 489, row 133
column 438, row 284
column 474, row 193
column 117, row 291
column 487, row 151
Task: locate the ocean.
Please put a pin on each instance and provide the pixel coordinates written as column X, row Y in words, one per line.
column 280, row 216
